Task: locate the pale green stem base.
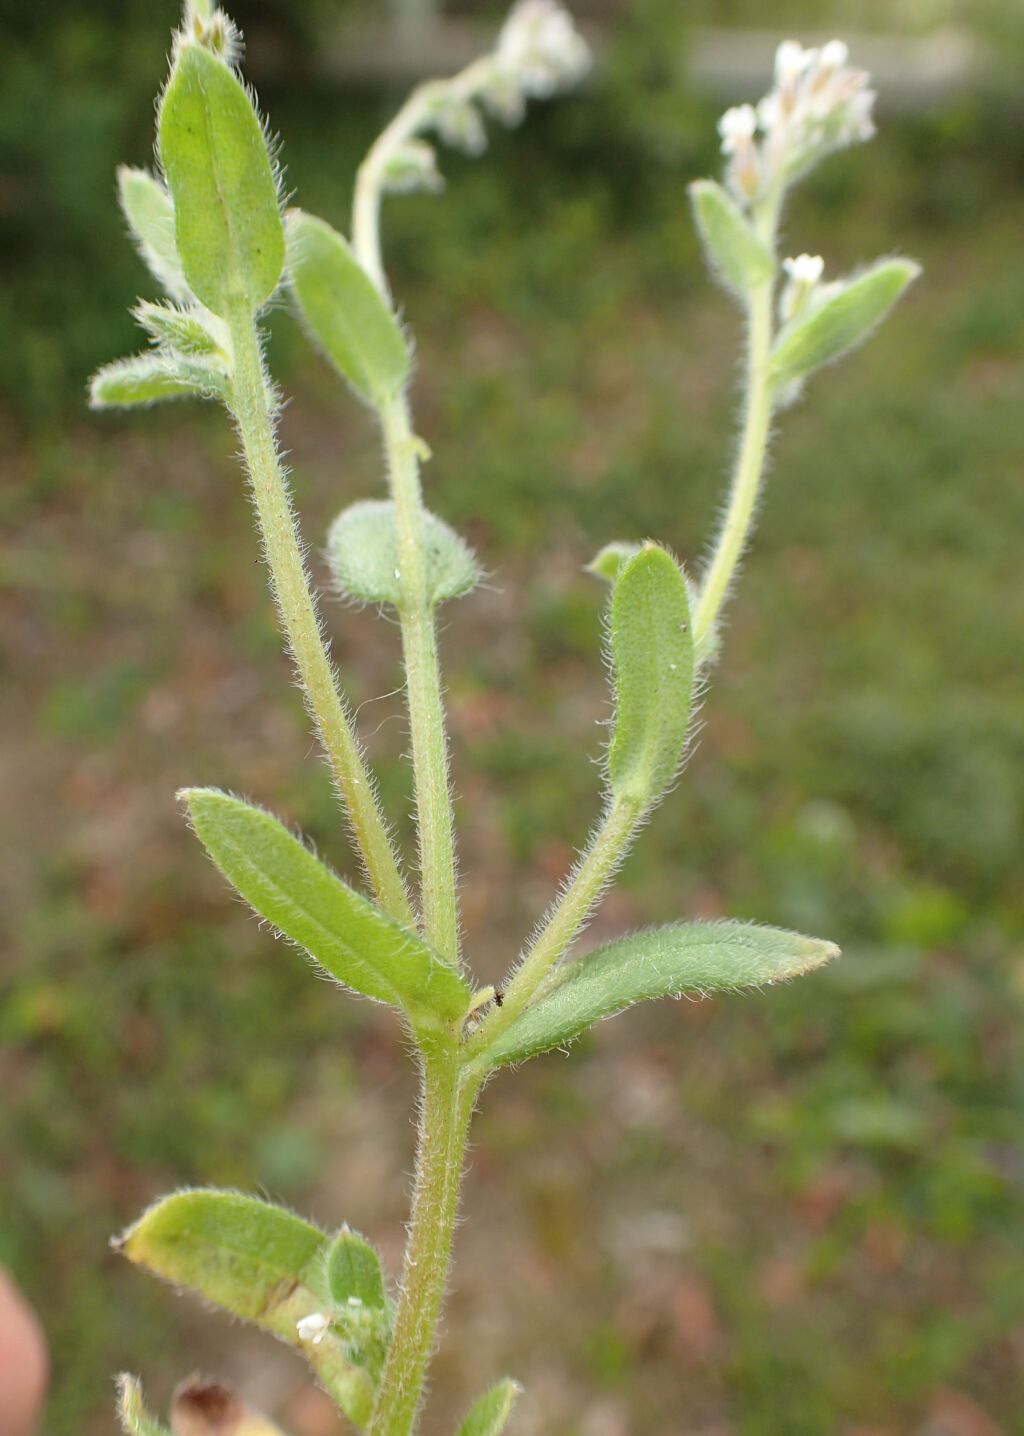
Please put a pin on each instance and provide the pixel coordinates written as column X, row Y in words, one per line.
column 291, row 588
column 448, row 1095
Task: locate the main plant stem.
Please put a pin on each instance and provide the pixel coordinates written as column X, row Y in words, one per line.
column 434, row 817
column 448, row 1094
column 290, row 582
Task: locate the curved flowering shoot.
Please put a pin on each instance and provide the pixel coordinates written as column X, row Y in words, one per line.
column 818, row 103
column 538, row 53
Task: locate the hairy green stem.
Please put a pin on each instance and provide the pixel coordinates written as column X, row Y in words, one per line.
column 253, row 413
column 434, row 815
column 449, row 1092
column 748, row 473
column 604, row 853
column 371, row 179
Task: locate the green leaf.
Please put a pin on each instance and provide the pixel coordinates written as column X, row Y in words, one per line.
column 149, row 210
column 131, row 1412
column 651, row 645
column 840, row 319
column 214, row 153
column 257, row 1261
column 661, row 962
column 146, row 378
column 362, row 551
column 607, row 561
column 738, row 256
column 489, row 1414
column 340, row 929
column 344, row 311
column 187, row 331
column 353, row 1272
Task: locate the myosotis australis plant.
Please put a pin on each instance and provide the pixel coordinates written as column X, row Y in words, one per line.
column 212, row 231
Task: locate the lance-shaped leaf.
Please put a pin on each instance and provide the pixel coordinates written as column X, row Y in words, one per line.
column 489, row 1415
column 228, row 228
column 737, row 254
column 204, row 1407
column 131, row 1411
column 661, row 962
column 147, row 378
column 149, row 210
column 189, row 331
column 362, row 550
column 259, row 1262
column 353, row 1272
column 651, row 643
column 349, row 936
column 838, row 320
column 344, row 311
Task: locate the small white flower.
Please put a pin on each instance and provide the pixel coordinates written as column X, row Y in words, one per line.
column 737, row 128
column 313, row 1327
column 791, row 60
column 834, row 55
column 805, row 269
column 860, row 124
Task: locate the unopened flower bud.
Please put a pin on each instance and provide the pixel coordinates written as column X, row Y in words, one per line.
column 413, row 167
column 737, row 128
column 460, row 125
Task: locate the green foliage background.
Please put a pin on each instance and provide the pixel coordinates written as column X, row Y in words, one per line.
column 796, row 1215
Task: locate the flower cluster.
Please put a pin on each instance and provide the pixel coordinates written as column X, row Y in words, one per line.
column 539, row 52
column 818, row 103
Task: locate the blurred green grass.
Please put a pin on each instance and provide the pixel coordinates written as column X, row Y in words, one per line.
column 795, row 1214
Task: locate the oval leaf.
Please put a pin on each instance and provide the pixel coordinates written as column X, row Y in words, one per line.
column 147, row 378
column 607, row 561
column 840, row 321
column 257, row 1261
column 489, row 1415
column 214, row 153
column 362, row 550
column 344, row 311
column 149, row 210
column 343, row 931
column 353, row 1272
column 661, row 962
column 131, row 1411
column 652, row 657
column 739, row 258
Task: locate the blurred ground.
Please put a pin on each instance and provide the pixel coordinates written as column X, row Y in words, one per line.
column 790, row 1215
